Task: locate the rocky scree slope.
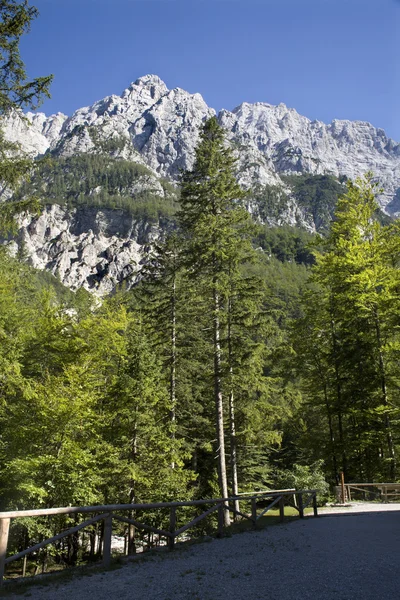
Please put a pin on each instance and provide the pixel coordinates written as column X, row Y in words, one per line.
column 156, row 128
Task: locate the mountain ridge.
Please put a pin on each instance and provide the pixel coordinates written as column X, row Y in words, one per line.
column 161, row 126
column 149, row 134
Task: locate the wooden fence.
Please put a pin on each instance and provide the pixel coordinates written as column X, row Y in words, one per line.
column 372, row 491
column 107, row 513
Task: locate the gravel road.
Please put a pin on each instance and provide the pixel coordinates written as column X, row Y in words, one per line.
column 334, row 557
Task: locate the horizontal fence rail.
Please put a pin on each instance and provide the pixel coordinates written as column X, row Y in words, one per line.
column 382, row 491
column 299, row 500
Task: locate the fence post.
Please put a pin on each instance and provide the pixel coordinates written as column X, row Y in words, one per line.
column 281, row 509
column 107, row 540
column 314, row 502
column 221, row 520
column 4, row 529
column 300, row 504
column 348, row 492
column 254, row 512
column 342, row 487
column 172, row 527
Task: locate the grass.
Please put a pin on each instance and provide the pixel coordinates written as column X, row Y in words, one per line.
column 270, row 518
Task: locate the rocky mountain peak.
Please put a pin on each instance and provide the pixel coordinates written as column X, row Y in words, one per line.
column 159, row 128
column 150, row 81
column 149, row 88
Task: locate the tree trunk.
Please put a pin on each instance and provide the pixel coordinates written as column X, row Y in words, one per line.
column 331, row 433
column 223, row 485
column 173, row 365
column 232, row 427
column 385, row 401
column 132, row 492
column 92, row 541
column 339, row 400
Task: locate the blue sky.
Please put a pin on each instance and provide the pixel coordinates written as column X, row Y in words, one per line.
column 326, row 58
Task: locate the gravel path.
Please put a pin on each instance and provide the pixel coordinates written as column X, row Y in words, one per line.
column 329, row 558
column 359, row 507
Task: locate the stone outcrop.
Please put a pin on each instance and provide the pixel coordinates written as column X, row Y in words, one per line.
column 85, row 247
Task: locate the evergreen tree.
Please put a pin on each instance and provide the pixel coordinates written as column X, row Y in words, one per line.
column 217, row 245
column 16, row 92
column 160, row 299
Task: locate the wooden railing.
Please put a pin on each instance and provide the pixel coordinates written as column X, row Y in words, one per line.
column 381, row 491
column 264, row 500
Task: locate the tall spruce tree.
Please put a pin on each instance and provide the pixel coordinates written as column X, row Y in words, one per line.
column 217, row 245
column 159, row 296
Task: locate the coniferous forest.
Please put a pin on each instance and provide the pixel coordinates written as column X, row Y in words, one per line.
column 247, row 357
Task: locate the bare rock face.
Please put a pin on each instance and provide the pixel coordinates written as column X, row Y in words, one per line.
column 167, row 133
column 290, row 143
column 159, row 128
column 85, row 247
column 34, row 132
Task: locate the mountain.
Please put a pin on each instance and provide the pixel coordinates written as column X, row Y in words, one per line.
column 113, row 160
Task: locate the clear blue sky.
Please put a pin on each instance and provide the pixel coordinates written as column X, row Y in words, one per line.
column 326, row 58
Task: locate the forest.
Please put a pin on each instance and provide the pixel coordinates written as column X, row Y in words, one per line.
column 291, row 339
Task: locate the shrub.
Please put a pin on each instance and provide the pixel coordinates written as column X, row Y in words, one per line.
column 305, row 477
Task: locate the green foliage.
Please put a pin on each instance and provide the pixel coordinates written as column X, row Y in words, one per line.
column 317, row 195
column 110, row 146
column 100, row 181
column 101, row 381
column 228, row 303
column 347, row 343
column 286, row 243
column 79, row 300
column 270, row 202
column 16, row 91
column 285, row 355
column 84, row 418
column 305, row 477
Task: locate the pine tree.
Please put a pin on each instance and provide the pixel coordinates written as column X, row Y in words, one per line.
column 215, row 227
column 160, row 300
